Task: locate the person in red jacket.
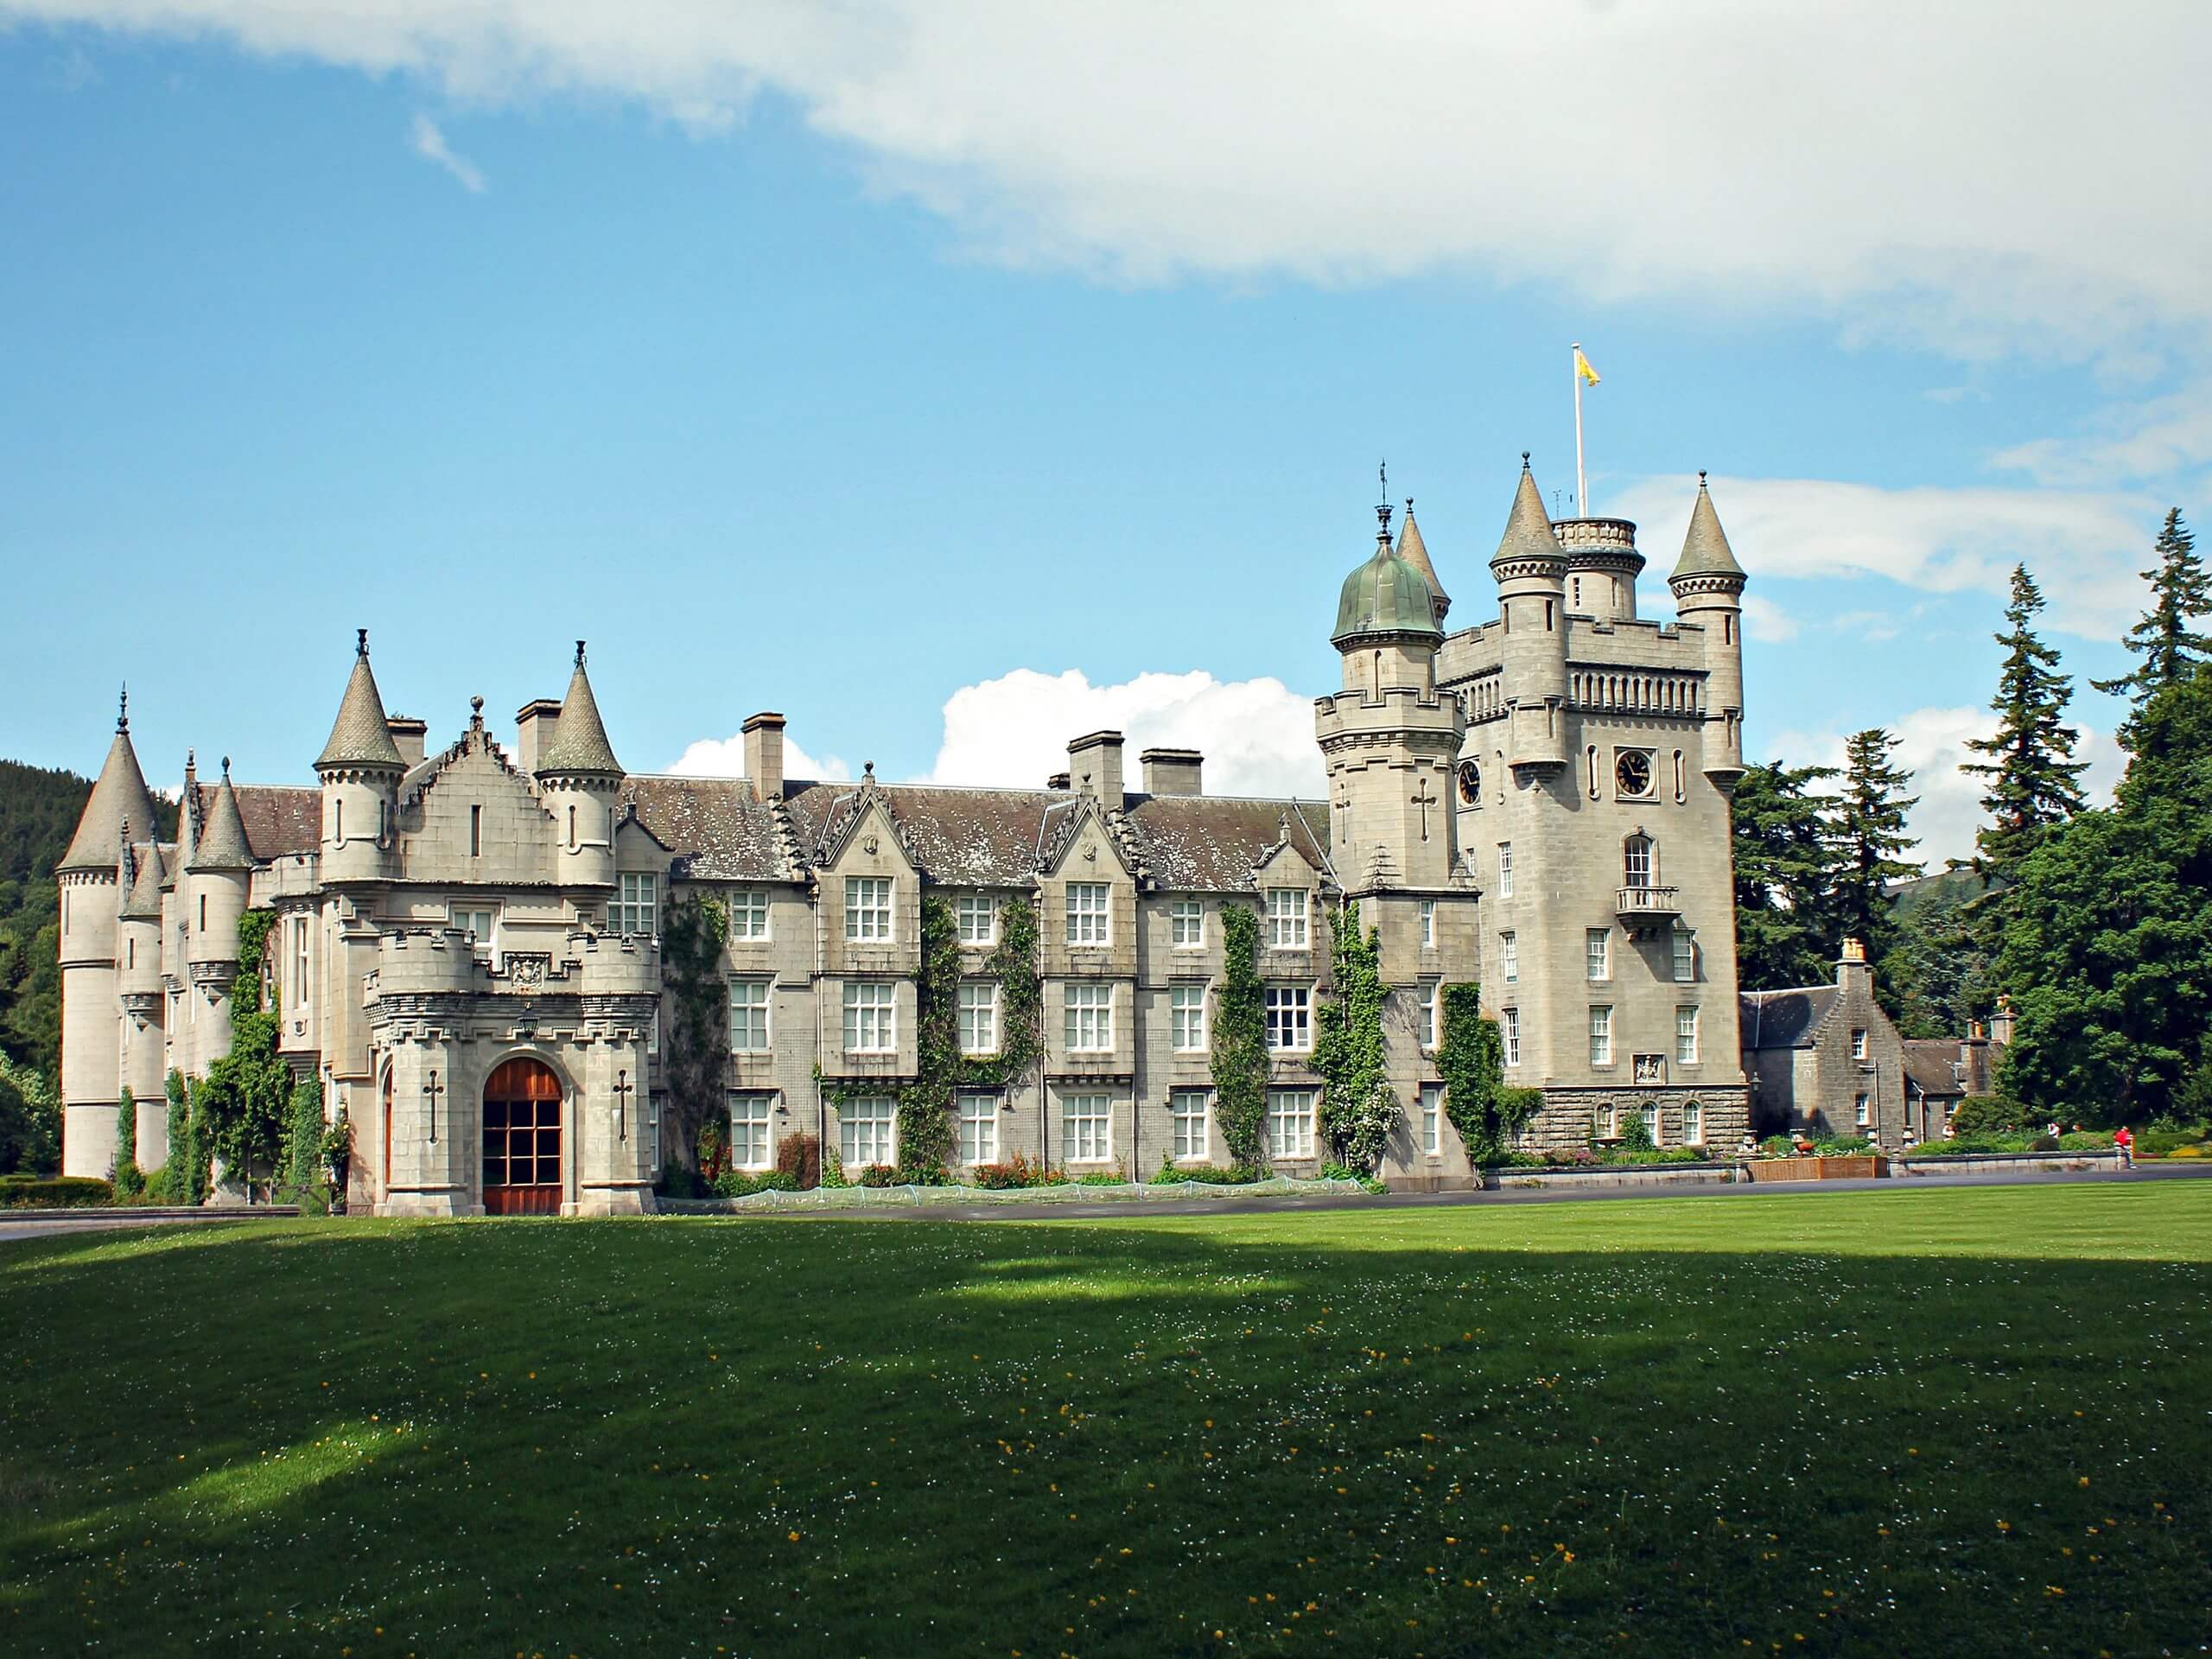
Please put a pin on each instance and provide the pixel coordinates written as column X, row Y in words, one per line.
column 2124, row 1139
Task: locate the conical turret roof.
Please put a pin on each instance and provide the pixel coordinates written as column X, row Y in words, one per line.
column 222, row 842
column 1704, row 549
column 118, row 796
column 143, row 902
column 1415, row 552
column 580, row 737
column 360, row 738
column 1528, row 527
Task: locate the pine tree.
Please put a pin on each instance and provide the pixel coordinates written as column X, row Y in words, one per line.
column 2034, row 780
column 1785, row 875
column 1869, row 839
column 2181, row 590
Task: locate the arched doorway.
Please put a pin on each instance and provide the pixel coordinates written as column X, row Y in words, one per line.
column 522, row 1140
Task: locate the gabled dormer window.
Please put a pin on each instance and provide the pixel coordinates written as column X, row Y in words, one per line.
column 867, row 908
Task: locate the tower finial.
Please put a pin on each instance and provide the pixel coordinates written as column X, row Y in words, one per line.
column 1700, row 481
column 580, row 653
column 226, row 768
column 360, row 642
column 1524, row 461
column 122, row 709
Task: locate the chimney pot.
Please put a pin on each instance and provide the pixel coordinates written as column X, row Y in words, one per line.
column 1172, row 771
column 764, row 755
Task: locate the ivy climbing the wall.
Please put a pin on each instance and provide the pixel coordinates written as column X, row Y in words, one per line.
column 1240, row 1042
column 242, row 1101
column 1488, row 1114
column 695, row 1048
column 1358, row 1109
column 184, row 1178
column 130, row 1180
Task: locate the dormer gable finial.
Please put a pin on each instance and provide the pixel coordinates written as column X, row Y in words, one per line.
column 122, row 709
column 580, row 653
column 360, row 642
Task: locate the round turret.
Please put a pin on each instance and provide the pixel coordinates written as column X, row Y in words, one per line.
column 1708, row 586
column 361, row 767
column 1602, row 566
column 1530, row 566
column 216, row 880
column 578, row 778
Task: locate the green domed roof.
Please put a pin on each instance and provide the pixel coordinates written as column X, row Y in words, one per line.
column 1385, row 594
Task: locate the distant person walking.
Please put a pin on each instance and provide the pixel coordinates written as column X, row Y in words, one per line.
column 2123, row 1138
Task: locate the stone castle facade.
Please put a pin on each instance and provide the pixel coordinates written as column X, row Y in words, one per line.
column 466, row 944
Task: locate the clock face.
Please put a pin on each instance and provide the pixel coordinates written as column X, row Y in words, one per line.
column 1632, row 771
column 1471, row 782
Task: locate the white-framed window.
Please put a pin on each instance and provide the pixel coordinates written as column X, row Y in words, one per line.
column 475, row 921
column 1685, row 956
column 1288, row 913
column 1290, row 1122
column 1693, row 1124
column 978, row 917
column 299, row 960
column 748, row 914
column 871, row 1016
column 867, row 907
column 1508, row 1020
column 979, row 1128
column 1290, row 1016
column 1638, row 867
column 1186, row 1019
column 1685, row 1036
column 1429, row 992
column 979, row 1016
column 1186, row 923
column 1086, row 1128
column 1432, row 1118
column 1090, row 1017
column 1508, row 957
column 748, row 1131
column 1186, row 1116
column 1598, row 953
column 1862, row 1107
column 1429, row 924
column 1089, row 917
column 868, row 1131
column 1506, row 869
column 1650, row 1112
column 1858, row 1042
column 1601, row 1036
column 748, row 1016
column 637, row 903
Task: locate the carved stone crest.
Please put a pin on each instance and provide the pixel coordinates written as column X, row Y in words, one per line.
column 528, row 972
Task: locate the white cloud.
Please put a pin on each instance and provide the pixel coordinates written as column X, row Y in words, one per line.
column 2083, row 547
column 1256, row 735
column 431, row 143
column 1764, row 619
column 1985, row 173
column 1931, row 742
column 724, row 757
column 2150, row 439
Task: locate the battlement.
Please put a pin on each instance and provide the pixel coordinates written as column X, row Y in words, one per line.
column 1597, row 536
column 608, row 965
column 425, row 961
column 1393, row 706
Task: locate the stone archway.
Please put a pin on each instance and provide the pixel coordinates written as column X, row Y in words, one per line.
column 522, row 1139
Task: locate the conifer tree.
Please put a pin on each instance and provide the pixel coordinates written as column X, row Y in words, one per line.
column 2034, row 780
column 1870, row 839
column 1785, row 875
column 2181, row 591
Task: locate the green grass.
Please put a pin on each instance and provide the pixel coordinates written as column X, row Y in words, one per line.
column 1911, row 1422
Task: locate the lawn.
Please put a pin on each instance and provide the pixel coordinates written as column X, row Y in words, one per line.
column 1909, row 1422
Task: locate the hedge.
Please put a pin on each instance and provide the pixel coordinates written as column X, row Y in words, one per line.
column 55, row 1192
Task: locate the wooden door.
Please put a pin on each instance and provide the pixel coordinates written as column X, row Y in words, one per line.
column 522, row 1140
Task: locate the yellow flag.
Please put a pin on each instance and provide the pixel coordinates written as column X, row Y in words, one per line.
column 1582, row 367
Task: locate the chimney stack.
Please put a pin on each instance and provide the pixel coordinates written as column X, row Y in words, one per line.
column 1851, row 968
column 1095, row 762
column 1172, row 772
column 764, row 755
column 409, row 735
column 535, row 724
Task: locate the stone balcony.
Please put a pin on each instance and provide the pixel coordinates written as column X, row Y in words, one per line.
column 1648, row 906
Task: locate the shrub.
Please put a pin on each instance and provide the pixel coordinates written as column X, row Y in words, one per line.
column 740, row 1184
column 2086, row 1140
column 879, row 1175
column 833, row 1168
column 1099, row 1178
column 800, row 1156
column 129, row 1182
column 1018, row 1170
column 678, row 1182
column 2195, row 1150
column 55, row 1192
column 1570, row 1157
column 1986, row 1115
column 1635, row 1133
column 2044, row 1143
column 1843, row 1146
column 1656, row 1156
column 1777, row 1145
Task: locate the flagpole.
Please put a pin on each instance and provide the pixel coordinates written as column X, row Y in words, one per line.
column 1581, row 488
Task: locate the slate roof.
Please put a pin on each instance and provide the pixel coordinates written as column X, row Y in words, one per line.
column 360, row 737
column 579, row 740
column 1528, row 527
column 281, row 819
column 143, row 902
column 964, row 837
column 1704, row 549
column 719, row 832
column 1927, row 1063
column 120, row 797
column 222, row 844
column 1789, row 1019
column 1415, row 552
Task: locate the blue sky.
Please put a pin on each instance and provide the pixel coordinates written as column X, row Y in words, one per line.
column 841, row 374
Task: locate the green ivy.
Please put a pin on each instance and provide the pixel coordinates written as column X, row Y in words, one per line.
column 185, row 1175
column 1472, row 1058
column 1240, row 1042
column 303, row 1158
column 694, row 1047
column 130, row 1182
column 1358, row 1109
column 242, row 1100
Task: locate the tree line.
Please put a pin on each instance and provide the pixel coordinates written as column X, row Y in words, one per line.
column 2093, row 925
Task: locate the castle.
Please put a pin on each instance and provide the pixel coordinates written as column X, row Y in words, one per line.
column 466, row 947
